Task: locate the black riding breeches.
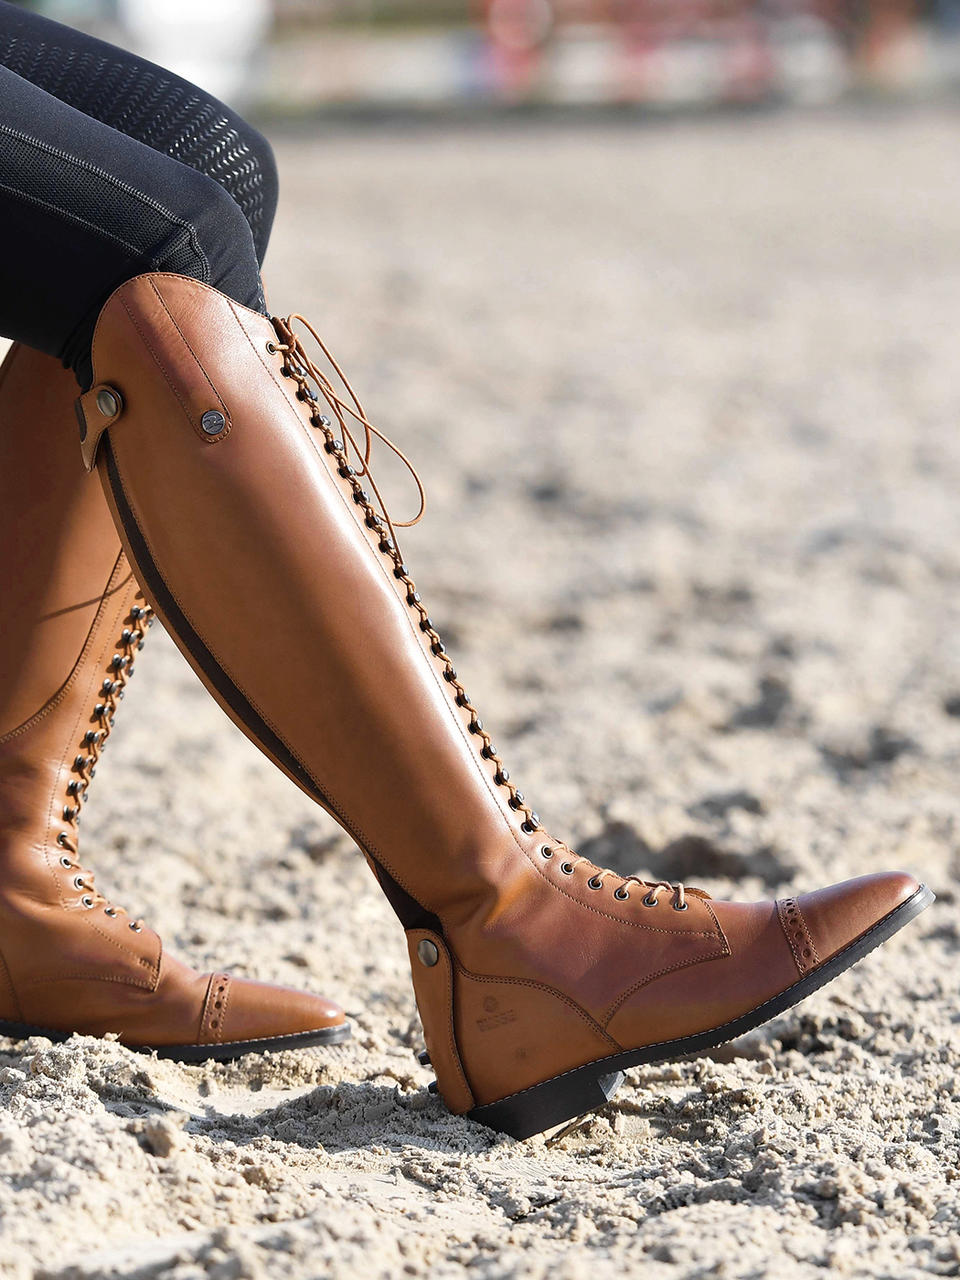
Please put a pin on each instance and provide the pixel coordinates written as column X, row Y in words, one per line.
column 111, row 166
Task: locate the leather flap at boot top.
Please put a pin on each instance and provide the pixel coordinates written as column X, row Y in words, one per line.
column 191, row 383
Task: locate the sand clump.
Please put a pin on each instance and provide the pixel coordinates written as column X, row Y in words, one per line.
column 685, row 401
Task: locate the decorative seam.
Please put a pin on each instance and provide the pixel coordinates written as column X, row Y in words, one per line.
column 797, row 933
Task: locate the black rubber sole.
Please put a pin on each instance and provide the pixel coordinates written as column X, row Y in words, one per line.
column 567, row 1096
column 199, row 1052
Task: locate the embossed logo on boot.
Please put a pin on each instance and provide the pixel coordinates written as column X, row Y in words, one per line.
column 497, row 1017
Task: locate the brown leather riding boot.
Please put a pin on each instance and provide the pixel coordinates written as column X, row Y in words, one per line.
column 539, row 977
column 71, row 621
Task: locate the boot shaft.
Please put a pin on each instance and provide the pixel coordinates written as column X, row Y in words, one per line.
column 283, row 601
column 60, row 548
column 71, row 620
column 260, row 549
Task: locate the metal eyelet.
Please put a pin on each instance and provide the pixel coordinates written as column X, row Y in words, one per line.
column 546, row 851
column 594, row 883
column 648, row 901
column 621, row 894
column 566, row 868
column 110, row 911
column 65, row 862
column 137, row 928
column 87, row 901
column 677, row 906
column 78, row 882
column 61, row 837
column 528, row 827
column 272, row 348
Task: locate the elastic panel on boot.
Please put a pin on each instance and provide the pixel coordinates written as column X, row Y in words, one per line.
column 408, row 910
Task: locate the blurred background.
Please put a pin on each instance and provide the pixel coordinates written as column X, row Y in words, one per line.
column 293, row 56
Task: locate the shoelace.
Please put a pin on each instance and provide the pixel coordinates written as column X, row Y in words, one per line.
column 654, row 888
column 298, row 365
column 85, row 764
column 292, row 347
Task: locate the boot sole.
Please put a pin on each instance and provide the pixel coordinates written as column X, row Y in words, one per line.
column 569, row 1095
column 199, row 1052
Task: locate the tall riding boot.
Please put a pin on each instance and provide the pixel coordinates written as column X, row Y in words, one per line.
column 71, row 621
column 267, row 554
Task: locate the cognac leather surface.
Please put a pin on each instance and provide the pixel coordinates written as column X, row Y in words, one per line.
column 66, row 595
column 252, row 547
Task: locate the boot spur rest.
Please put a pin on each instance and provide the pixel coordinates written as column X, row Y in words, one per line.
column 539, row 977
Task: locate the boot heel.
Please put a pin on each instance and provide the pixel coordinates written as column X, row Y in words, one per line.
column 544, row 1106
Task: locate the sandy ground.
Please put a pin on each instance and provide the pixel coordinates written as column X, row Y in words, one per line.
column 686, row 402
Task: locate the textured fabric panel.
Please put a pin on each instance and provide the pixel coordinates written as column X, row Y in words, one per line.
column 37, row 173
column 148, row 103
column 109, row 167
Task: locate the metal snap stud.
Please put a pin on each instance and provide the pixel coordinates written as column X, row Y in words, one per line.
column 108, row 402
column 213, row 422
column 428, row 952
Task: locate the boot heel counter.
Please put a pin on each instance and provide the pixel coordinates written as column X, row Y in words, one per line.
column 514, row 1034
column 432, row 970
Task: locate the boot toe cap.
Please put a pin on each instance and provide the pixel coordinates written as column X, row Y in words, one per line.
column 238, row 1009
column 841, row 913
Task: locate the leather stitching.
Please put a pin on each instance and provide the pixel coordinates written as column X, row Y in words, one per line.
column 681, row 964
column 99, row 626
column 161, row 366
column 757, row 1009
column 221, row 435
column 547, row 990
column 448, row 982
column 83, row 975
column 798, row 936
column 52, row 703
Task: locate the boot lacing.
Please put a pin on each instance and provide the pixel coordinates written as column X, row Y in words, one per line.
column 654, row 888
column 298, row 365
column 94, row 742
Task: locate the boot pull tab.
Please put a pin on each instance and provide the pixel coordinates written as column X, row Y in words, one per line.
column 97, row 409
